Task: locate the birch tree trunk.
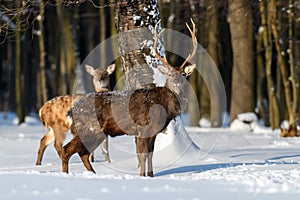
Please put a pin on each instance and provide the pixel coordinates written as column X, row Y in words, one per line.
column 133, row 22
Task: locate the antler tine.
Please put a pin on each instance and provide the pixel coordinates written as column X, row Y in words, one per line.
column 195, row 43
column 157, row 35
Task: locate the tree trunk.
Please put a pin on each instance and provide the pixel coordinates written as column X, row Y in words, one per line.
column 68, row 60
column 260, row 87
column 102, row 32
column 18, row 77
column 42, row 86
column 273, row 101
column 282, row 65
column 7, row 97
column 241, row 26
column 213, row 51
column 133, row 22
column 292, row 63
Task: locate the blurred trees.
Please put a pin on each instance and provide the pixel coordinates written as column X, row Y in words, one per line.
column 255, row 45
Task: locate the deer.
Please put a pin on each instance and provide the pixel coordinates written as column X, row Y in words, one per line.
column 142, row 113
column 53, row 114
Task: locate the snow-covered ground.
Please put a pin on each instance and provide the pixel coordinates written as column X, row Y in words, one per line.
column 231, row 164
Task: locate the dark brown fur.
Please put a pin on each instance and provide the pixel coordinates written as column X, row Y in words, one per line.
column 142, row 121
column 142, row 113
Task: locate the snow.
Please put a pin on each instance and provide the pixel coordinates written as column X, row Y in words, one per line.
column 261, row 29
column 247, row 117
column 231, row 165
column 249, row 122
column 204, row 122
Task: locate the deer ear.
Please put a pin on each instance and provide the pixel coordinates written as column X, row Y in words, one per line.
column 90, row 69
column 188, row 70
column 163, row 69
column 111, row 68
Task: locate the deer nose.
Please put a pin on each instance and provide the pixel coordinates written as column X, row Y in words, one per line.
column 176, row 82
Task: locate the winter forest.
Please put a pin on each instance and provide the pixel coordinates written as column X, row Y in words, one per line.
column 202, row 95
column 254, row 44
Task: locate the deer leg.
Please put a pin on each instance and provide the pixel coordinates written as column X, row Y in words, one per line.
column 84, row 155
column 74, row 146
column 142, row 161
column 92, row 157
column 60, row 136
column 150, row 155
column 58, row 147
column 105, row 149
column 45, row 141
column 150, row 166
column 139, row 165
column 142, row 150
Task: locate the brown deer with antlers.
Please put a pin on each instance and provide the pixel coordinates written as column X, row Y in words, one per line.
column 53, row 114
column 142, row 113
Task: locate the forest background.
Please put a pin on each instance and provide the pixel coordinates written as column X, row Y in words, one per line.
column 255, row 45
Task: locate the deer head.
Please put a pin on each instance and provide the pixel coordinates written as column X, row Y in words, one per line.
column 100, row 76
column 176, row 75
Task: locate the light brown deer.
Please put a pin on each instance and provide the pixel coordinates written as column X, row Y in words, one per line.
column 142, row 113
column 53, row 114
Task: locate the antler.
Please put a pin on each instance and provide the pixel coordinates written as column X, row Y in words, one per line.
column 190, row 56
column 156, row 37
column 195, row 44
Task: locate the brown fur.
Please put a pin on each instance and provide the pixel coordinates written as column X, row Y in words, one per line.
column 53, row 114
column 142, row 113
column 138, row 113
column 92, row 130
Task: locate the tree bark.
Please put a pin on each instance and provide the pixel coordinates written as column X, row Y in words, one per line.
column 273, row 100
column 68, row 60
column 282, row 65
column 213, row 51
column 291, row 55
column 42, row 86
column 18, row 77
column 260, row 87
column 132, row 23
column 241, row 26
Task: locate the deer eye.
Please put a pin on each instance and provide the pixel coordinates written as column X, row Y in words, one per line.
column 105, row 74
